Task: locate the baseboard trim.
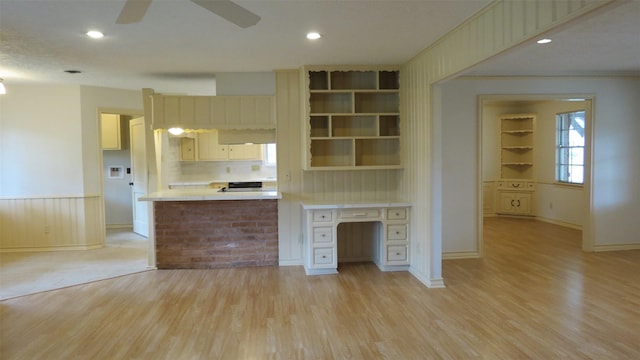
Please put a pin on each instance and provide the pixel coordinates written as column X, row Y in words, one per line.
column 290, row 263
column 52, row 248
column 460, row 255
column 430, row 283
column 558, row 222
column 616, row 247
column 119, row 226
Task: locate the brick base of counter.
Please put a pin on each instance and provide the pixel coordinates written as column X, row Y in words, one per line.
column 216, row 234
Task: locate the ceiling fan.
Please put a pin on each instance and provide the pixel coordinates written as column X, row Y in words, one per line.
column 134, row 10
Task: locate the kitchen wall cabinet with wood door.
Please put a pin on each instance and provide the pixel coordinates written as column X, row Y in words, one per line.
column 213, row 112
column 352, row 118
column 111, row 132
column 207, row 148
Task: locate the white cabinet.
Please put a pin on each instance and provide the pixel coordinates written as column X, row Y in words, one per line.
column 210, row 112
column 321, row 242
column 204, row 146
column 352, row 118
column 515, row 197
column 111, row 134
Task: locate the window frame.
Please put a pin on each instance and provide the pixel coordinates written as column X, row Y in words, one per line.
column 563, row 147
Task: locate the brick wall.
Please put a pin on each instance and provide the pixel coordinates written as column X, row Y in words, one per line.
column 216, row 234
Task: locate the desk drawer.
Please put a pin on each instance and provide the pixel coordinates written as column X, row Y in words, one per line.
column 396, row 214
column 322, row 216
column 397, row 232
column 396, row 253
column 359, row 214
column 322, row 235
column 323, row 256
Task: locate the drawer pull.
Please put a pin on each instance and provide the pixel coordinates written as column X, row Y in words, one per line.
column 398, row 253
column 397, row 232
column 515, row 185
column 397, row 214
column 324, row 256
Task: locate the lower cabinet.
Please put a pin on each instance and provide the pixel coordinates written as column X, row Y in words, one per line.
column 515, row 203
column 389, row 238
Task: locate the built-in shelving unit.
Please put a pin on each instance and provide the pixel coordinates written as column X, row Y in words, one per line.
column 516, row 146
column 517, row 187
column 352, row 118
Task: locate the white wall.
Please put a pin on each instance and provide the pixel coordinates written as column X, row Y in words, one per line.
column 40, row 141
column 615, row 189
column 246, row 83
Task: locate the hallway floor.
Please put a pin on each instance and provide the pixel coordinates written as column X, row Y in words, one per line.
column 25, row 273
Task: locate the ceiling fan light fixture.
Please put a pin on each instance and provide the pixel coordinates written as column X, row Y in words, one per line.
column 95, row 34
column 313, row 35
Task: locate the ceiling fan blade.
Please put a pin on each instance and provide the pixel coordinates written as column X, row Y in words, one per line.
column 133, row 11
column 230, row 11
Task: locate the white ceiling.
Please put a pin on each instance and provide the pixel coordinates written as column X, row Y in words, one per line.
column 179, row 46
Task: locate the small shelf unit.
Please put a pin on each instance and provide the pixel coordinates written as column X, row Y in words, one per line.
column 352, row 118
column 516, row 146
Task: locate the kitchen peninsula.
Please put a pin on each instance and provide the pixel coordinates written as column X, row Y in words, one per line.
column 206, row 228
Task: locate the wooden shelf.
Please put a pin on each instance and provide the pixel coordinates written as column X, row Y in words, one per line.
column 353, row 118
column 516, row 146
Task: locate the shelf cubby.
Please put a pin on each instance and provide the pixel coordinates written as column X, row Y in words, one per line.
column 353, row 80
column 389, row 125
column 389, row 80
column 377, row 152
column 335, row 102
column 318, row 80
column 383, row 103
column 332, row 152
column 319, row 126
column 353, row 126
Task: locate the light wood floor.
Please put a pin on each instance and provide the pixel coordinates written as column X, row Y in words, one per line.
column 535, row 295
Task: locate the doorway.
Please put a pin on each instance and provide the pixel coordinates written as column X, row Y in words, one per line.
column 117, row 175
column 548, row 199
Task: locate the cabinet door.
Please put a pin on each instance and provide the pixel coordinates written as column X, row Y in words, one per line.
column 522, row 204
column 188, row 149
column 209, row 148
column 507, row 202
column 244, row 152
column 111, row 139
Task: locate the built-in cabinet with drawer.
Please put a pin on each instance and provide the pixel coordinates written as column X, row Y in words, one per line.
column 515, row 197
column 204, row 146
column 352, row 118
column 516, row 188
column 390, row 238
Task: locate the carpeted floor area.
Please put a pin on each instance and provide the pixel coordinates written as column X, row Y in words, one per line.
column 24, row 273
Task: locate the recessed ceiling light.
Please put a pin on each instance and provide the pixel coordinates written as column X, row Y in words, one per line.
column 95, row 34
column 543, row 41
column 313, row 36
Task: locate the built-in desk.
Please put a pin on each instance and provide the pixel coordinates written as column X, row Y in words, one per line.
column 391, row 235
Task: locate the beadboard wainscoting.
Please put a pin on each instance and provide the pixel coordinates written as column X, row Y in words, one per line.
column 73, row 222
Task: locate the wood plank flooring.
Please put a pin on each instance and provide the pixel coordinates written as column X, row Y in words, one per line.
column 535, row 295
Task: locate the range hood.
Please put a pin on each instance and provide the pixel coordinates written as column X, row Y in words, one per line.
column 244, row 136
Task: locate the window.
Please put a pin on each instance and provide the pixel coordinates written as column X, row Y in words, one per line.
column 570, row 135
column 270, row 156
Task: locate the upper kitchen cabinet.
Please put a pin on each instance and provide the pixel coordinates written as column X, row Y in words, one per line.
column 111, row 134
column 213, row 112
column 352, row 118
column 210, row 149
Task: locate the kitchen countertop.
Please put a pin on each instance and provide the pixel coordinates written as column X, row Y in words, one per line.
column 218, row 181
column 209, row 194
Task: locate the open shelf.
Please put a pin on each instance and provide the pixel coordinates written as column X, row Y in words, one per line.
column 516, row 146
column 353, row 118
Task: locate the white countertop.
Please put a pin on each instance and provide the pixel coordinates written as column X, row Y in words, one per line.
column 209, row 194
column 319, row 205
column 217, row 181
